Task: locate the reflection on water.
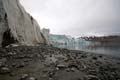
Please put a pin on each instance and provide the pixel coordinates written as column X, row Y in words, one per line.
column 115, row 51
column 99, row 45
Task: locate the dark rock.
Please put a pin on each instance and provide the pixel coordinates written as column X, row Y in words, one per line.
column 61, row 66
column 24, row 77
column 94, row 58
column 92, row 72
column 92, row 77
column 84, row 56
column 100, row 56
column 12, row 45
column 37, row 55
column 11, row 53
column 32, row 78
column 12, row 74
column 20, row 65
column 79, row 79
column 51, row 74
column 63, row 69
column 4, row 70
column 68, row 70
column 2, row 61
column 73, row 66
column 71, row 69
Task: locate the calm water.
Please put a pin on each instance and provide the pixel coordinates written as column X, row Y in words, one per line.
column 102, row 50
column 114, row 51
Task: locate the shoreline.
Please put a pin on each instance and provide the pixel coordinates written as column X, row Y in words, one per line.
column 51, row 63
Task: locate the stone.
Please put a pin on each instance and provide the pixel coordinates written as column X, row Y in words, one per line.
column 1, row 64
column 37, row 54
column 73, row 69
column 92, row 77
column 100, row 56
column 4, row 70
column 79, row 79
column 83, row 56
column 2, row 61
column 61, row 66
column 51, row 74
column 12, row 45
column 32, row 78
column 12, row 74
column 24, row 77
column 92, row 72
column 94, row 58
column 17, row 26
column 50, row 79
column 68, row 70
column 11, row 53
column 20, row 65
column 57, row 68
column 27, row 77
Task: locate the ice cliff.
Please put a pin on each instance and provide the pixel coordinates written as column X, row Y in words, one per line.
column 17, row 26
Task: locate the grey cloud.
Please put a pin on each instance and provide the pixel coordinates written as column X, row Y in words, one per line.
column 76, row 17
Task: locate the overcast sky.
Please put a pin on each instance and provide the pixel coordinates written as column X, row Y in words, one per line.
column 76, row 17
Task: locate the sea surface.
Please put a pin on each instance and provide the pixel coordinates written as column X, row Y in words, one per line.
column 114, row 51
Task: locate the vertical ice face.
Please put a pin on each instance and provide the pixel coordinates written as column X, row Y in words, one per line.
column 16, row 23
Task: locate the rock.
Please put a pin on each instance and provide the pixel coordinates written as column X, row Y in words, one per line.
column 79, row 79
column 21, row 57
column 11, row 53
column 27, row 77
column 72, row 65
column 44, row 75
column 57, row 68
column 92, row 77
column 83, row 56
column 4, row 70
column 61, row 66
column 94, row 58
column 38, row 55
column 92, row 72
column 31, row 78
column 20, row 65
column 51, row 74
column 13, row 64
column 100, row 56
column 12, row 45
column 17, row 26
column 73, row 69
column 68, row 69
column 1, row 64
column 2, row 61
column 50, row 79
column 24, row 77
column 12, row 74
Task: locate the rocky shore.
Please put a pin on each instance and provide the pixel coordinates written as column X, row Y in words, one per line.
column 50, row 63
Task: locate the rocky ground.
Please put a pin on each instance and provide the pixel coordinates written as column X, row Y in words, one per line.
column 50, row 63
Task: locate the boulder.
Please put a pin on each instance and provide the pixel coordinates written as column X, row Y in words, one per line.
column 4, row 70
column 17, row 26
